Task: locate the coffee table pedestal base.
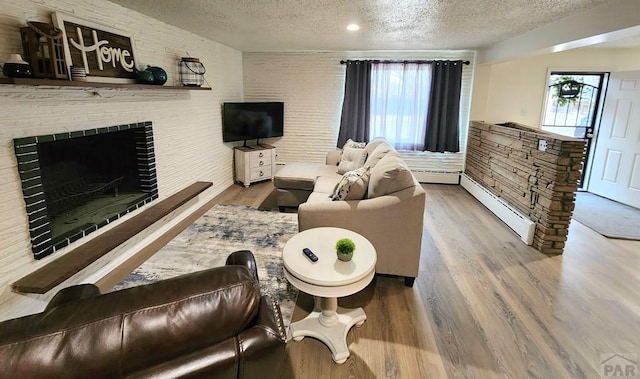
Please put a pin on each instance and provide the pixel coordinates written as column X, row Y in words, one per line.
column 329, row 324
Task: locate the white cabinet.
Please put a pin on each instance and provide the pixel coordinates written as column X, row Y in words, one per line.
column 254, row 163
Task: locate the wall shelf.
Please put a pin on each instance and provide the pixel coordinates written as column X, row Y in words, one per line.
column 79, row 84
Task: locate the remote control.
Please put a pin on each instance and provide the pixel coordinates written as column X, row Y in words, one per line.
column 310, row 254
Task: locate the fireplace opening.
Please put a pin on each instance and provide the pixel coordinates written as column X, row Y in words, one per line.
column 74, row 183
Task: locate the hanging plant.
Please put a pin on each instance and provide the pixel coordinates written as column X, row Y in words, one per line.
column 569, row 89
column 566, row 90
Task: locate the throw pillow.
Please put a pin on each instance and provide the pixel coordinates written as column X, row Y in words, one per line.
column 390, row 175
column 352, row 186
column 351, row 159
column 354, row 145
column 374, row 143
column 380, row 151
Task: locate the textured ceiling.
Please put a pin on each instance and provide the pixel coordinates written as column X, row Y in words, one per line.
column 294, row 25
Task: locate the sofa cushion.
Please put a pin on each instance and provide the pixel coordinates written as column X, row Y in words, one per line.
column 302, row 176
column 353, row 144
column 318, row 197
column 380, row 151
column 353, row 185
column 351, row 159
column 374, row 143
column 326, row 184
column 125, row 331
column 389, row 175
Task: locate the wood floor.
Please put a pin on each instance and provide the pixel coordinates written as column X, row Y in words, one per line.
column 484, row 304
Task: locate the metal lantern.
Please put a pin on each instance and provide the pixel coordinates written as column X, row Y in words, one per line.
column 192, row 72
column 44, row 50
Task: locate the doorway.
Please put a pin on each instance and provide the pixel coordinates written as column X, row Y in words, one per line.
column 615, row 172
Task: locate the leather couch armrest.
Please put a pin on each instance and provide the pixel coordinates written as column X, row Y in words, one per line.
column 333, row 157
column 73, row 293
column 243, row 258
column 262, row 347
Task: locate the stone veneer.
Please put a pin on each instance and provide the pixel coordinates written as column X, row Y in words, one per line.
column 540, row 184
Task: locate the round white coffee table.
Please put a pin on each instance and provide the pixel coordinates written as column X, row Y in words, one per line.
column 327, row 279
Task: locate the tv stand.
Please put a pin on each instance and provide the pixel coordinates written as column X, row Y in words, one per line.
column 254, row 163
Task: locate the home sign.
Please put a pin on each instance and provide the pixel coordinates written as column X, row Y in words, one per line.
column 105, row 54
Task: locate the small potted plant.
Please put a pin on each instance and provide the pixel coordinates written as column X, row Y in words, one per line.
column 344, row 249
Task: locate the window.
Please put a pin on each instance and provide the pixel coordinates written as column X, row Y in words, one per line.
column 413, row 104
column 400, row 103
column 573, row 105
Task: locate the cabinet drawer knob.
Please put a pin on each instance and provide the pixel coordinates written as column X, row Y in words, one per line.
column 261, row 155
column 261, row 163
column 261, row 173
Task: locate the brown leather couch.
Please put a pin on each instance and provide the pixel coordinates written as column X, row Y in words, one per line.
column 208, row 324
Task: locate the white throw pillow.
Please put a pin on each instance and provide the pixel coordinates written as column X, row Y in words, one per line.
column 389, row 175
column 353, row 185
column 373, row 157
column 354, row 145
column 374, row 143
column 351, row 159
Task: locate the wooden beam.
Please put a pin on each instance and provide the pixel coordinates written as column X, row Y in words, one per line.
column 61, row 269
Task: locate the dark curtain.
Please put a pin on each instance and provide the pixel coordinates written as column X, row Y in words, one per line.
column 444, row 107
column 354, row 122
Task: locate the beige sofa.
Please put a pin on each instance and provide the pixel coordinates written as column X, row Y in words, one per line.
column 390, row 215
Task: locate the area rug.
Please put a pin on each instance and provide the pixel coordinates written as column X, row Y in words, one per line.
column 607, row 217
column 222, row 230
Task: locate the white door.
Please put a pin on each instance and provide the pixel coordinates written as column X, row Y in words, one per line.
column 615, row 173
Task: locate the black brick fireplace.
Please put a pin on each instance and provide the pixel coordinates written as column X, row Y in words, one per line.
column 75, row 183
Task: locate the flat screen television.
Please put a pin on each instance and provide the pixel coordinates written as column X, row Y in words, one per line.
column 248, row 121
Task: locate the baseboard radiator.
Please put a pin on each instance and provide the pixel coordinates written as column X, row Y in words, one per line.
column 438, row 177
column 520, row 224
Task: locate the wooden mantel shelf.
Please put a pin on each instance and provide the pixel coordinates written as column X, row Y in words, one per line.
column 64, row 267
column 68, row 83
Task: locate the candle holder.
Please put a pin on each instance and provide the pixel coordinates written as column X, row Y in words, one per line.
column 44, row 50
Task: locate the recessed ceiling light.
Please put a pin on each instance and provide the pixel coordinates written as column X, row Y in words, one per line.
column 353, row 27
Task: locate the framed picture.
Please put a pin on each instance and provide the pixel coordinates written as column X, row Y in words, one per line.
column 106, row 54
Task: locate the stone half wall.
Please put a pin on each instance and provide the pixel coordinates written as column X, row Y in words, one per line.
column 506, row 160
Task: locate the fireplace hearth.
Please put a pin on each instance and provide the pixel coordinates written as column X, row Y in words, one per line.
column 75, row 183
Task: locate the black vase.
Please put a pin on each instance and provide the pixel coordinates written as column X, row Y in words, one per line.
column 159, row 75
column 16, row 70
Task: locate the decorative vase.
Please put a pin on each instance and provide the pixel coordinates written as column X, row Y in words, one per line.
column 344, row 249
column 159, row 74
column 345, row 257
column 16, row 67
column 144, row 77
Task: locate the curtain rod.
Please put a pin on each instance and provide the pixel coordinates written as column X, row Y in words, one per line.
column 408, row 61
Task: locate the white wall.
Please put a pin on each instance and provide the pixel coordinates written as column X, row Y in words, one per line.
column 515, row 90
column 187, row 124
column 311, row 84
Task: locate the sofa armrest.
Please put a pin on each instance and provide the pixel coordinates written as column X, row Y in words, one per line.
column 392, row 223
column 73, row 293
column 262, row 347
column 333, row 157
column 243, row 258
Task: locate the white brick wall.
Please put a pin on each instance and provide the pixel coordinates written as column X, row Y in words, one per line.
column 311, row 84
column 187, row 124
